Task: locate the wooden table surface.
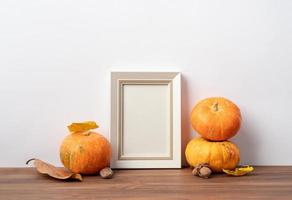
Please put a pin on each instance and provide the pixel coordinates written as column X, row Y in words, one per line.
column 263, row 183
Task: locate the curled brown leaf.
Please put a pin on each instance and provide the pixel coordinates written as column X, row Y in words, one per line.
column 54, row 172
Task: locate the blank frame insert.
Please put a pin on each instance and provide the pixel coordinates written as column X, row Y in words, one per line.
column 145, row 120
column 146, row 112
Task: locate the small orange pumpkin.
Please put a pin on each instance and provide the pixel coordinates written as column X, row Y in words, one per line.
column 216, row 118
column 219, row 155
column 85, row 152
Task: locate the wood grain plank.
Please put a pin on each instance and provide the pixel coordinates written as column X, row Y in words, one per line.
column 264, row 183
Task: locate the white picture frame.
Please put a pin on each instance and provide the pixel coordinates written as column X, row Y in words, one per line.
column 146, row 120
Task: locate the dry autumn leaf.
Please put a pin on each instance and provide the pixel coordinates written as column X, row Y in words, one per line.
column 239, row 171
column 82, row 126
column 55, row 172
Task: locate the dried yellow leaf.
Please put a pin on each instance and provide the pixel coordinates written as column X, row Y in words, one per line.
column 82, row 126
column 239, row 171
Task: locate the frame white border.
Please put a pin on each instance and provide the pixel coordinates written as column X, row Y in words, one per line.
column 173, row 80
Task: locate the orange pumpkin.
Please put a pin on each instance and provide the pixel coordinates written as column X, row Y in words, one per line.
column 219, row 155
column 216, row 118
column 85, row 152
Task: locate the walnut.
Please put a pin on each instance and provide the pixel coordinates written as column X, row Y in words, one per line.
column 106, row 173
column 202, row 170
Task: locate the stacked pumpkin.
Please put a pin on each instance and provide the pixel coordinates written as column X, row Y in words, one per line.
column 216, row 119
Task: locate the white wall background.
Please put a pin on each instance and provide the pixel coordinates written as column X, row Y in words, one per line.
column 55, row 59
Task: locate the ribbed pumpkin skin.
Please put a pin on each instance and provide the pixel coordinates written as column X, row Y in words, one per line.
column 219, row 155
column 216, row 118
column 85, row 153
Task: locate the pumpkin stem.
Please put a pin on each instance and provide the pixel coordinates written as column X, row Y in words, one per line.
column 86, row 133
column 29, row 160
column 216, row 107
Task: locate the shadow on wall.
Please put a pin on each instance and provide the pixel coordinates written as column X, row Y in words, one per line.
column 186, row 130
column 246, row 141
